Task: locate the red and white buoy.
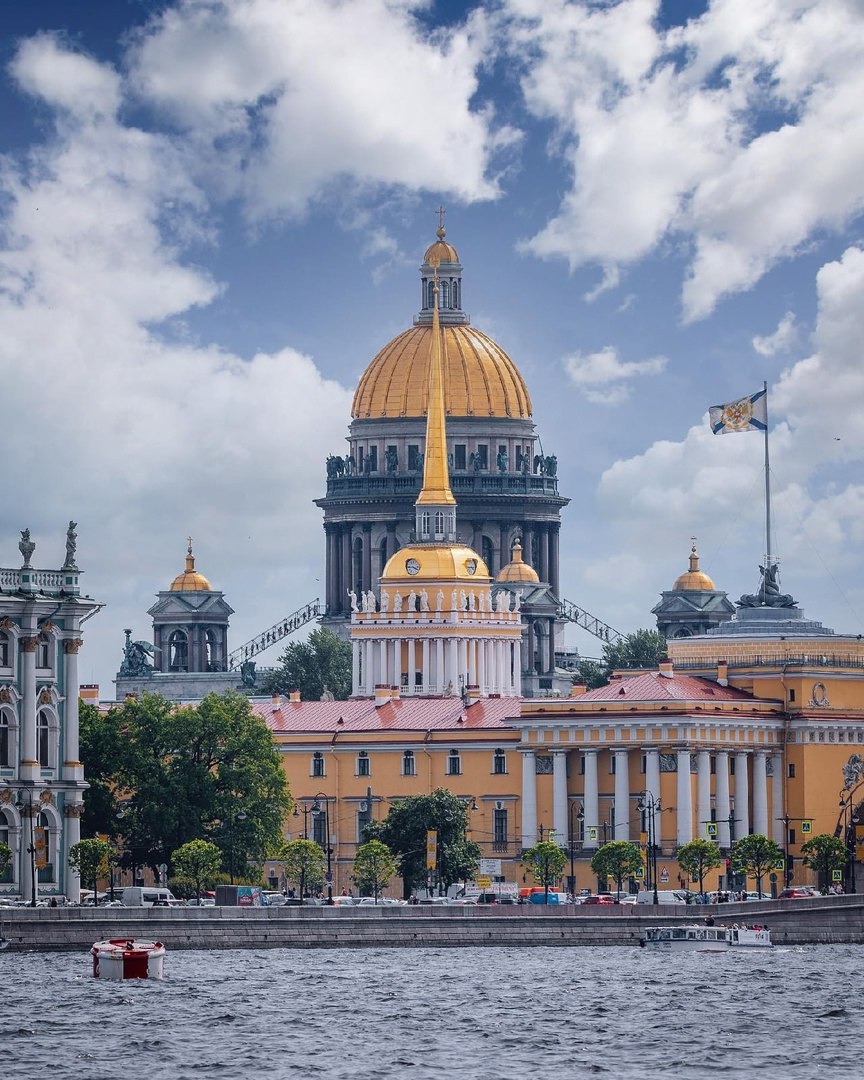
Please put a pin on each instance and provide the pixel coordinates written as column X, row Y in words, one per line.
column 125, row 958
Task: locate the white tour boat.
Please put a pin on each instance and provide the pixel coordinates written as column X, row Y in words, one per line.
column 125, row 958
column 696, row 937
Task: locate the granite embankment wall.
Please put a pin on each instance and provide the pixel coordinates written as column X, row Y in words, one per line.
column 823, row 920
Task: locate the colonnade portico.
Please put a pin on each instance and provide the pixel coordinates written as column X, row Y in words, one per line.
column 610, row 808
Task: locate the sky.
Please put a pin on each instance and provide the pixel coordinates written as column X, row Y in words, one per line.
column 212, row 216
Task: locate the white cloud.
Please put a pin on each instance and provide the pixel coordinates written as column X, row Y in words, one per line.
column 108, row 420
column 602, row 375
column 697, row 131
column 282, row 100
column 782, row 340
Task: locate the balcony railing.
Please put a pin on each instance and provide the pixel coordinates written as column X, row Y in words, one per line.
column 469, row 484
column 501, row 846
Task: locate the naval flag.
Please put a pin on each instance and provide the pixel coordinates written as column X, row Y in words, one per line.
column 747, row 414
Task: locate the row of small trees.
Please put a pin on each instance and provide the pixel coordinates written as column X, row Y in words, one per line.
column 754, row 855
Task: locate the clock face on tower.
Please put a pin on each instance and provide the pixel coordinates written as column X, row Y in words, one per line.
column 412, row 566
column 471, row 566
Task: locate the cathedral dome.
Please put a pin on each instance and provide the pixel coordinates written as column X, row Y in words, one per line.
column 480, row 379
column 440, row 252
column 694, row 578
column 190, row 580
column 435, row 562
column 517, row 569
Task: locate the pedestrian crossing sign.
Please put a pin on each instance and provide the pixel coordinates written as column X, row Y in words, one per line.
column 711, row 830
column 807, row 826
column 592, row 832
column 836, row 875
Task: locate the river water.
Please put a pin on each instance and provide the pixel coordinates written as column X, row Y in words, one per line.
column 472, row 1014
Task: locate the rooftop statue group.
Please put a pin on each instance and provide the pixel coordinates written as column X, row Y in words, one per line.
column 27, row 546
column 338, row 466
column 419, row 601
column 768, row 594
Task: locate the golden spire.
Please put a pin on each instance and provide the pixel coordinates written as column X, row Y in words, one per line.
column 436, row 481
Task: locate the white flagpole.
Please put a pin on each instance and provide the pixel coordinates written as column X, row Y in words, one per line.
column 767, row 488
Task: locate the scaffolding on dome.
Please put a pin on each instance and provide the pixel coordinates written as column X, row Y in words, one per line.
column 279, row 630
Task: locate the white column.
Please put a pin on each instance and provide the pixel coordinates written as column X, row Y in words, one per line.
column 529, row 799
column 481, row 666
column 382, row 661
column 355, row 667
column 29, row 763
column 742, row 796
column 397, row 663
column 703, row 793
column 777, row 785
column 440, row 685
column 684, row 824
column 412, row 664
column 652, row 785
column 72, row 834
column 72, row 766
column 559, row 795
column 25, row 869
column 592, row 801
column 622, row 795
column 502, row 667
column 760, row 794
column 517, row 668
column 451, row 673
column 426, row 685
column 721, row 797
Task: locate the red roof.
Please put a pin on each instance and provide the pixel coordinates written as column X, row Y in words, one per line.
column 404, row 714
column 652, row 686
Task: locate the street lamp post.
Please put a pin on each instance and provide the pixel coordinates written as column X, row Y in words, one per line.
column 328, row 850
column 241, row 816
column 31, row 850
column 306, row 811
column 580, row 817
column 850, row 820
column 650, row 805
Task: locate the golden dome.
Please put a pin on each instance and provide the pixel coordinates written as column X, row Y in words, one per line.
column 190, row 580
column 517, row 569
column 435, row 562
column 440, row 252
column 693, row 578
column 480, row 379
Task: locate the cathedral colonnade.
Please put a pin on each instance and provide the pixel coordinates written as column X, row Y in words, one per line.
column 733, row 791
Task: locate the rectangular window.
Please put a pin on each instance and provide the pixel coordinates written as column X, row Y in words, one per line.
column 6, row 876
column 482, row 453
column 612, row 764
column 791, row 695
column 499, row 825
column 319, row 829
column 360, row 459
column 582, row 765
column 792, row 836
column 713, row 761
column 454, row 765
column 499, row 763
column 413, row 457
column 790, row 771
column 643, row 764
column 318, row 765
column 731, row 766
column 373, row 459
column 4, row 650
column 364, row 765
column 364, row 817
column 408, row 764
column 459, row 456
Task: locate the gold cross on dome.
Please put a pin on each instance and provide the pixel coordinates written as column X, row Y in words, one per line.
column 441, row 212
column 189, row 538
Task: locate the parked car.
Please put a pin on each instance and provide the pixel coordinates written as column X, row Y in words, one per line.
column 798, row 892
column 602, row 898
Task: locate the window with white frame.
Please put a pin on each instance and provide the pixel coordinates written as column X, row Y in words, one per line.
column 5, row 741
column 409, row 765
column 364, row 765
column 499, row 762
column 43, row 738
column 454, row 764
column 318, row 764
column 499, row 825
column 5, row 650
column 43, row 651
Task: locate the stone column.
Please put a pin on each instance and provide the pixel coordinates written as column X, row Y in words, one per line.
column 367, row 558
column 25, row 867
column 439, row 685
column 462, row 653
column 425, row 684
column 529, row 799
column 501, row 666
column 777, row 802
column 451, row 674
column 684, row 830
column 544, row 552
column 591, row 800
column 517, row 669
column 721, row 798
column 554, row 558
column 528, row 544
column 396, row 671
column 412, row 665
column 703, row 793
column 29, row 761
column 70, row 882
column 622, row 795
column 559, row 795
column 504, row 544
column 329, row 573
column 481, row 665
column 742, row 795
column 383, row 676
column 760, row 794
column 652, row 785
column 345, row 566
column 355, row 667
column 71, row 688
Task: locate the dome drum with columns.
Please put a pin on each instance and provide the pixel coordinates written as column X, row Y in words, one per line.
column 505, row 486
column 693, row 605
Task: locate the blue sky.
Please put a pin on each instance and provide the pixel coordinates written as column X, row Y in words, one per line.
column 211, row 219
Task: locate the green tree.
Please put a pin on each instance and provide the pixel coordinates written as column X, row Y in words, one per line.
column 404, row 832
column 314, row 666
column 697, row 857
column 756, row 855
column 208, row 772
column 100, row 749
column 5, row 857
column 374, row 866
column 199, row 860
column 617, row 859
column 304, row 864
column 546, row 861
column 644, row 649
column 824, row 853
column 90, row 859
column 592, row 673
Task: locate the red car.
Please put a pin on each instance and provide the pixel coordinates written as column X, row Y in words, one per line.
column 601, row 899
column 798, row 892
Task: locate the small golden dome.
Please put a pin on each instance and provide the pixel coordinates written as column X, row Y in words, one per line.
column 440, row 252
column 190, row 580
column 693, row 578
column 517, row 569
column 480, row 379
column 435, row 562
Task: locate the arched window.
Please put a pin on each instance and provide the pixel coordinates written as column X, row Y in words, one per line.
column 318, row 764
column 43, row 652
column 439, row 524
column 445, row 294
column 6, row 877
column 178, row 651
column 43, row 739
column 214, row 657
column 424, row 523
column 431, row 295
column 4, row 649
column 454, row 764
column 455, row 294
column 409, row 766
column 42, row 841
column 5, row 741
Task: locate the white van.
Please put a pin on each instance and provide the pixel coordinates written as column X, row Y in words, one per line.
column 148, row 896
column 664, row 896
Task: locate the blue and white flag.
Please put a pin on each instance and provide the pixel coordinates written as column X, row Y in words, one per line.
column 747, row 414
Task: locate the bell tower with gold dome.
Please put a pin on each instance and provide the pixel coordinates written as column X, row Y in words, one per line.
column 493, row 460
column 435, row 628
column 693, row 605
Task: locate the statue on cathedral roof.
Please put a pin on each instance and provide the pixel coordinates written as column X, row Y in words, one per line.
column 71, row 546
column 136, row 658
column 768, row 594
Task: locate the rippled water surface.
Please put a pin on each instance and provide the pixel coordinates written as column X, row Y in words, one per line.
column 432, row 1013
